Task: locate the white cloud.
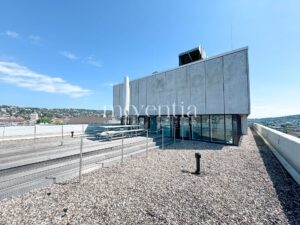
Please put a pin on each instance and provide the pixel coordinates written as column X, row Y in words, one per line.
column 93, row 61
column 68, row 55
column 34, row 39
column 21, row 76
column 12, row 34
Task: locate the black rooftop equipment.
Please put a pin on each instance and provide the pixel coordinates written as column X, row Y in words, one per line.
column 192, row 55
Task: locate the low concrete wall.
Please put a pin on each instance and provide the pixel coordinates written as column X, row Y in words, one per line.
column 285, row 147
column 38, row 131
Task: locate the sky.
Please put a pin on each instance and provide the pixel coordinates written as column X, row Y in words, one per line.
column 68, row 54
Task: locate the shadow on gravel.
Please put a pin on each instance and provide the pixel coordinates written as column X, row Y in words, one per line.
column 201, row 174
column 288, row 191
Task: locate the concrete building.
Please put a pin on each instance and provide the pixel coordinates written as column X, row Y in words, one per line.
column 204, row 98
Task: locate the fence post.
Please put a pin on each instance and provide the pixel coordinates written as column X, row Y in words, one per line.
column 80, row 160
column 3, row 132
column 162, row 137
column 62, row 134
column 174, row 134
column 34, row 136
column 147, row 144
column 122, row 159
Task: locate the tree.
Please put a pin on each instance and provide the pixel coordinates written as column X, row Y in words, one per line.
column 43, row 120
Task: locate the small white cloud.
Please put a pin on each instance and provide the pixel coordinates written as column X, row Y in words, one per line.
column 68, row 55
column 21, row 76
column 12, row 34
column 34, row 39
column 93, row 61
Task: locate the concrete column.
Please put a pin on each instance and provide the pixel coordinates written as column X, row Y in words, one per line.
column 244, row 124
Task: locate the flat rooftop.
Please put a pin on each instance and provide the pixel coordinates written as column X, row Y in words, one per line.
column 238, row 185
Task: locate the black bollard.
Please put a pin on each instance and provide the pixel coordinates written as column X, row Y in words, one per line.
column 197, row 156
column 72, row 134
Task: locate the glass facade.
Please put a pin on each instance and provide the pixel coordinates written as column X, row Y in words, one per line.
column 141, row 122
column 185, row 128
column 228, row 129
column 196, row 128
column 225, row 129
column 165, row 123
column 217, row 128
column 153, row 124
column 133, row 120
column 205, row 128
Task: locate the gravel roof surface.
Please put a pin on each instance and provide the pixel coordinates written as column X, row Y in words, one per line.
column 238, row 185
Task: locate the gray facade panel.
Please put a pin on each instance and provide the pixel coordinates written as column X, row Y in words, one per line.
column 217, row 85
column 142, row 95
column 197, row 87
column 134, row 97
column 214, row 86
column 236, row 83
column 116, row 100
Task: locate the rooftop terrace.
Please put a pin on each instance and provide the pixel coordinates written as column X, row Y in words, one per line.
column 238, row 185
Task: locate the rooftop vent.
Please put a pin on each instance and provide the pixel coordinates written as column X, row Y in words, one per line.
column 192, row 55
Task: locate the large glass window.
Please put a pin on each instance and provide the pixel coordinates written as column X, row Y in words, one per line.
column 133, row 120
column 175, row 129
column 196, row 127
column 142, row 122
column 228, row 129
column 217, row 128
column 185, row 128
column 205, row 128
column 158, row 125
column 166, row 125
column 153, row 123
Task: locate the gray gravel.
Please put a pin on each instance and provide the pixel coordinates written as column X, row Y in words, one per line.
column 238, row 185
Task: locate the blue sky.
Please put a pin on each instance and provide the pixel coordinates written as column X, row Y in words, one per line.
column 69, row 53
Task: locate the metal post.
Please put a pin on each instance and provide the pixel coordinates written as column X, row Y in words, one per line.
column 122, row 157
column 80, row 160
column 3, row 132
column 197, row 156
column 162, row 138
column 62, row 134
column 147, row 144
column 174, row 133
column 34, row 136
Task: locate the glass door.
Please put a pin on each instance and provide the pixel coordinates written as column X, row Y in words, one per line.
column 218, row 128
column 205, row 128
column 185, row 128
column 196, row 127
column 165, row 124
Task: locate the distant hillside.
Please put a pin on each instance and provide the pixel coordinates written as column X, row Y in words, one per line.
column 51, row 113
column 281, row 119
column 286, row 124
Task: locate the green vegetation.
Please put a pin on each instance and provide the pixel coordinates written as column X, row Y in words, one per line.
column 45, row 120
column 51, row 113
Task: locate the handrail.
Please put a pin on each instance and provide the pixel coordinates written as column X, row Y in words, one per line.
column 120, row 131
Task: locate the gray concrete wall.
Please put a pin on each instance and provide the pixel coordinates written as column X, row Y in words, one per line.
column 285, row 147
column 216, row 85
column 244, row 124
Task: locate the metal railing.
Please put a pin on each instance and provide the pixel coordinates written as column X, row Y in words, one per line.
column 89, row 152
